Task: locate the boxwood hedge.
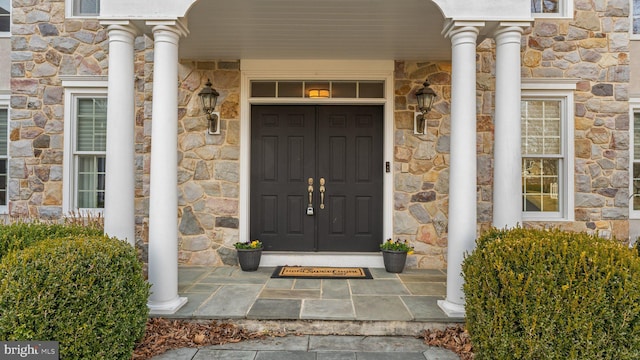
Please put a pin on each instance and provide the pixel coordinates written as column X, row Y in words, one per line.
column 18, row 235
column 88, row 293
column 534, row 294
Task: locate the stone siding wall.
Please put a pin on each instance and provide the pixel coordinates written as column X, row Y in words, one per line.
column 594, row 49
column 44, row 46
column 208, row 168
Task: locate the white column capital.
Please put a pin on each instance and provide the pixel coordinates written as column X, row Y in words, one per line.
column 120, row 27
column 462, row 31
column 509, row 32
column 165, row 27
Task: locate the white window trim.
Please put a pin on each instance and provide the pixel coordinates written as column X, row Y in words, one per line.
column 557, row 89
column 4, row 104
column 566, row 11
column 69, row 5
column 634, row 107
column 76, row 87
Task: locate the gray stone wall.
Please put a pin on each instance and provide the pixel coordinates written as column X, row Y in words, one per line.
column 44, row 46
column 594, row 49
column 208, row 165
column 421, row 171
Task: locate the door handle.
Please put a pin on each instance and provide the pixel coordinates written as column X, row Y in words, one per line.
column 322, row 190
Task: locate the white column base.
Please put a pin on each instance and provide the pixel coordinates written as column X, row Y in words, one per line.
column 166, row 307
column 452, row 310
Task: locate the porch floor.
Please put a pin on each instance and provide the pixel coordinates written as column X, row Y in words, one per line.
column 389, row 304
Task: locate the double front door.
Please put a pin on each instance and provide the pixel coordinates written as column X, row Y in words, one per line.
column 317, row 177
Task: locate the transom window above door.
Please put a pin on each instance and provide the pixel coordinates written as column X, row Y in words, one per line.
column 310, row 89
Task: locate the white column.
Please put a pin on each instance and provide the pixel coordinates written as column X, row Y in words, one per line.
column 119, row 213
column 462, row 168
column 507, row 165
column 163, row 191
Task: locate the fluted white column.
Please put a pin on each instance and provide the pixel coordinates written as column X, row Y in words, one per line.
column 462, row 168
column 507, row 153
column 119, row 208
column 163, row 191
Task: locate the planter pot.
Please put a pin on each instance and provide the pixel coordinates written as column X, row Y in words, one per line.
column 394, row 260
column 249, row 259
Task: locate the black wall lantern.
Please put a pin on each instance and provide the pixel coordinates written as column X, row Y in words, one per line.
column 425, row 97
column 209, row 98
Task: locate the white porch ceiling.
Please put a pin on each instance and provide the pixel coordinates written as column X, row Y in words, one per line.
column 321, row 29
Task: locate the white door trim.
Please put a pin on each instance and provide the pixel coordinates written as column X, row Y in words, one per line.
column 316, row 70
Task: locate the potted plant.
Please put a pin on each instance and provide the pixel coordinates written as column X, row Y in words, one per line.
column 394, row 255
column 249, row 254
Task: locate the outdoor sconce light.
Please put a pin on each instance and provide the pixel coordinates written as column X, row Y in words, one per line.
column 425, row 97
column 209, row 97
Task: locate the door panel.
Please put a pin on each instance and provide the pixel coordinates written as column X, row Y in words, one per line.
column 282, row 158
column 353, row 172
column 341, row 144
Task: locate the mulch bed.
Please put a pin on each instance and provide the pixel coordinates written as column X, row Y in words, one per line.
column 163, row 335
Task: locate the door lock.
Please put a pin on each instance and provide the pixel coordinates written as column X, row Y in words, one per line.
column 310, row 191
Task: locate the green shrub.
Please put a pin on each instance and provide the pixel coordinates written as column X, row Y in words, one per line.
column 20, row 234
column 87, row 293
column 533, row 294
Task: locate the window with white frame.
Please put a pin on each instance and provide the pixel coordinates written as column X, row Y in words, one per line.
column 552, row 8
column 83, row 8
column 4, row 155
column 85, row 145
column 547, row 154
column 5, row 17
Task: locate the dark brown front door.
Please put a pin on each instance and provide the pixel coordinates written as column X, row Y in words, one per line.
column 339, row 146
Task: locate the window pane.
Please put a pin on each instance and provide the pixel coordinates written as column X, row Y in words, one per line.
column 5, row 15
column 263, row 89
column 3, row 182
column 373, row 90
column 3, row 132
column 636, row 186
column 636, row 136
column 343, row 90
column 540, row 185
column 545, row 6
column 86, row 7
column 317, row 85
column 92, row 124
column 290, row 89
column 541, row 127
column 91, row 173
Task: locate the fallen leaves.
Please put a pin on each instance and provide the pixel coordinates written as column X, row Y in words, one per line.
column 163, row 335
column 455, row 339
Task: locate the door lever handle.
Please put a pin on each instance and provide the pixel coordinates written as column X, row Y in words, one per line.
column 322, row 190
column 310, row 191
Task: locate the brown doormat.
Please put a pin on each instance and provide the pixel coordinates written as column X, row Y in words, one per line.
column 311, row 272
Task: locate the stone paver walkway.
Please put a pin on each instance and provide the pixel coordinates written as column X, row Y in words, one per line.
column 229, row 293
column 310, row 347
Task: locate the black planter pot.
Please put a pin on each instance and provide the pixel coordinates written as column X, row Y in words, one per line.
column 394, row 260
column 249, row 259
